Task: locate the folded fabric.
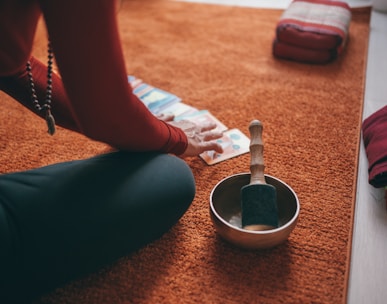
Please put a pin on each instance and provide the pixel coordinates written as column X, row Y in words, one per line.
column 292, row 52
column 316, row 28
column 374, row 130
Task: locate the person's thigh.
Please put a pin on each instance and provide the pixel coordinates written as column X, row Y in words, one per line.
column 66, row 220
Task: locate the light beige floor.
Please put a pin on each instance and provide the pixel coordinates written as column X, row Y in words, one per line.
column 369, row 246
column 368, row 269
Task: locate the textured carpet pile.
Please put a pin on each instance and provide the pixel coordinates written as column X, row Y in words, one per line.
column 219, row 58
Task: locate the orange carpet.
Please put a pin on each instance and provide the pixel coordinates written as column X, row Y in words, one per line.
column 219, row 58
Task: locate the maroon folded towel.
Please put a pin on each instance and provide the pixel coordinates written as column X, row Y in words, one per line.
column 312, row 31
column 292, row 52
column 374, row 130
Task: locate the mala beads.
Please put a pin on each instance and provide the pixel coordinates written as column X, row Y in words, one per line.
column 46, row 106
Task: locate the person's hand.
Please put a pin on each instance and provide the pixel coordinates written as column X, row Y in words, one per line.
column 165, row 117
column 201, row 138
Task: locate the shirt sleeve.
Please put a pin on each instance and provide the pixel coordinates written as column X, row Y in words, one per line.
column 86, row 43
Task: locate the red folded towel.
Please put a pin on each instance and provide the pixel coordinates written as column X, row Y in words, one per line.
column 374, row 130
column 313, row 31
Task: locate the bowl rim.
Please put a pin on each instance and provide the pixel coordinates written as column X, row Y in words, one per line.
column 252, row 232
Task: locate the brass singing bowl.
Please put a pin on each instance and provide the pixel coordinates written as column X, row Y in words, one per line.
column 225, row 211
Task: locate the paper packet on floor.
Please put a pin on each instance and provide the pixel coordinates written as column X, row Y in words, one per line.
column 155, row 99
column 179, row 109
column 234, row 143
column 203, row 116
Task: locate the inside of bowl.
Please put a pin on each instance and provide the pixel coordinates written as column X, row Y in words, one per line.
column 227, row 202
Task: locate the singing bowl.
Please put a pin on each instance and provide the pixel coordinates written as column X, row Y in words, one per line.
column 225, row 211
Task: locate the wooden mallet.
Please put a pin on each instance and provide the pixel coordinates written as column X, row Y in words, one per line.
column 258, row 199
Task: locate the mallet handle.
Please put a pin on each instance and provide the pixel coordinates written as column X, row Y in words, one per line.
column 257, row 166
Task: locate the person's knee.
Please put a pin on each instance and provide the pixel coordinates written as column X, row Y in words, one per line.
column 184, row 178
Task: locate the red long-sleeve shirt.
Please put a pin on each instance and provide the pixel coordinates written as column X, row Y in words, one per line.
column 92, row 96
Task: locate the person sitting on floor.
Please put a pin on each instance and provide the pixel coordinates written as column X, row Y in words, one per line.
column 66, row 220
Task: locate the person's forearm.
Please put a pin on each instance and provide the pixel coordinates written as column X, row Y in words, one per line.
column 89, row 56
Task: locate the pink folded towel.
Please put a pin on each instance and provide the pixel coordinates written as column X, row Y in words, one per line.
column 312, row 31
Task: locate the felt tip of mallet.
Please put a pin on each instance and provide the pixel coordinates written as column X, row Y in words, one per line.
column 259, row 207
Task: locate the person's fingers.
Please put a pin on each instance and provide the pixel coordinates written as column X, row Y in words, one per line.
column 165, row 116
column 206, row 127
column 212, row 145
column 211, row 135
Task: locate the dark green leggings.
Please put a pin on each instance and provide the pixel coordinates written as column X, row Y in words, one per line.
column 63, row 221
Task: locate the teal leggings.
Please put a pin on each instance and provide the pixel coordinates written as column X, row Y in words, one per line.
column 63, row 221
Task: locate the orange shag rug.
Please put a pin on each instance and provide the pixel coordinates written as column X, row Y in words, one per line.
column 219, row 58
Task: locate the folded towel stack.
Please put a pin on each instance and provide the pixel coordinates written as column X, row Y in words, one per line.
column 375, row 142
column 312, row 31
